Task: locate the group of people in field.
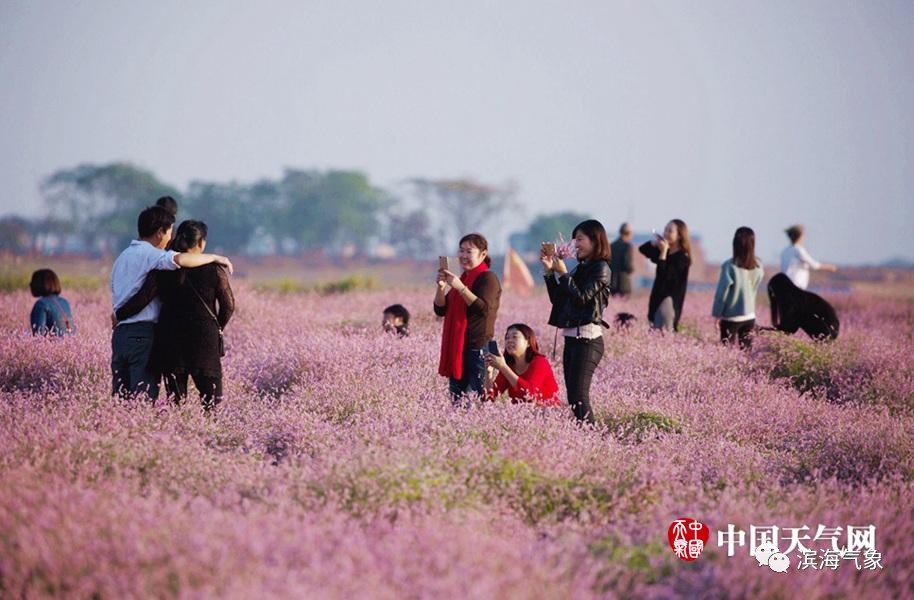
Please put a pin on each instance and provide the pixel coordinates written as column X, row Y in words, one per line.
column 469, row 304
column 171, row 302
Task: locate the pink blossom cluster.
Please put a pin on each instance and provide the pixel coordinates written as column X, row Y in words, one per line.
column 336, row 466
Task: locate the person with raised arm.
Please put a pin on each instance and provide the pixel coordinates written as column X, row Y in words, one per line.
column 132, row 339
column 578, row 300
column 469, row 304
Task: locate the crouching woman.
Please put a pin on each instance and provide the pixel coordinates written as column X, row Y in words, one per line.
column 523, row 371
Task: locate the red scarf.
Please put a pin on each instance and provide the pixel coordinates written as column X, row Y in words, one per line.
column 455, row 327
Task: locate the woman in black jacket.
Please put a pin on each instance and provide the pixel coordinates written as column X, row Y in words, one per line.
column 196, row 306
column 672, row 253
column 794, row 308
column 578, row 300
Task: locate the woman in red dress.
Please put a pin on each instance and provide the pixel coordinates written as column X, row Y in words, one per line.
column 523, row 371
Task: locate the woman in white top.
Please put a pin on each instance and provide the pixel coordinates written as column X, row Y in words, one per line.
column 796, row 261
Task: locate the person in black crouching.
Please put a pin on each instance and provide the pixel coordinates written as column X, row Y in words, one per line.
column 793, row 308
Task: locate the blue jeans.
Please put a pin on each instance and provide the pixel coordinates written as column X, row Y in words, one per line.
column 131, row 346
column 474, row 376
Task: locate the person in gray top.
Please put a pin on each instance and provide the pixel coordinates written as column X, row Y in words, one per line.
column 734, row 300
column 621, row 263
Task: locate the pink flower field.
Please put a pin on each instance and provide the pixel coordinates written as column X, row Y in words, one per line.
column 336, row 467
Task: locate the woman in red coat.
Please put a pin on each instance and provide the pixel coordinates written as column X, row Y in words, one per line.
column 523, row 372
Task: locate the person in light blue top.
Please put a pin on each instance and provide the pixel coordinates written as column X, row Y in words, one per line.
column 51, row 314
column 734, row 301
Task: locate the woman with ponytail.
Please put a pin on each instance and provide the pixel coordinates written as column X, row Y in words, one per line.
column 469, row 305
column 196, row 306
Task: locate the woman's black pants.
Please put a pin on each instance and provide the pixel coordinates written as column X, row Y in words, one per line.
column 580, row 359
column 731, row 331
column 210, row 387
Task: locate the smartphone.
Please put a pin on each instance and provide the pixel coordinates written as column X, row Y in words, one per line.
column 549, row 248
column 444, row 263
column 493, row 348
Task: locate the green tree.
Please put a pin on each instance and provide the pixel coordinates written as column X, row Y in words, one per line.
column 100, row 203
column 229, row 211
column 329, row 210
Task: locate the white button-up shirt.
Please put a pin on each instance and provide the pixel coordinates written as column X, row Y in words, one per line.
column 130, row 271
column 796, row 263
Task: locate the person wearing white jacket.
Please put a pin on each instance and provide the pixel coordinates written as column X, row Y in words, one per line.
column 796, row 261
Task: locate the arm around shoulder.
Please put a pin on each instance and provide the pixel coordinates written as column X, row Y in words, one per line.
column 187, row 260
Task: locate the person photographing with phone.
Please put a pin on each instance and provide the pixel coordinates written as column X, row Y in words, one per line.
column 578, row 300
column 469, row 304
column 672, row 253
column 523, row 371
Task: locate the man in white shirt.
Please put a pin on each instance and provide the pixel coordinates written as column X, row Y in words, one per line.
column 796, row 261
column 131, row 342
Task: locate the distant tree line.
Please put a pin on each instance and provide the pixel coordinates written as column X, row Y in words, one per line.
column 92, row 209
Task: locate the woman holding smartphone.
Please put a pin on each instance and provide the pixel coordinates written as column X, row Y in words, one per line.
column 523, row 371
column 469, row 305
column 578, row 301
column 672, row 253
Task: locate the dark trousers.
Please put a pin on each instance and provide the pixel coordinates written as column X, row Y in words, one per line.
column 731, row 331
column 131, row 346
column 474, row 376
column 210, row 387
column 580, row 359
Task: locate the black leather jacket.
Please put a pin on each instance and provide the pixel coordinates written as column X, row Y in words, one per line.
column 580, row 297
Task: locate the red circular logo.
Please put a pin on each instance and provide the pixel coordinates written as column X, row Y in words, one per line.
column 688, row 538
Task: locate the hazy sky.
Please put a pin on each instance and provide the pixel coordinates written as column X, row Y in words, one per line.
column 722, row 113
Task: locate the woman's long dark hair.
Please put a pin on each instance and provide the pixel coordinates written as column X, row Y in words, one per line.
column 685, row 243
column 533, row 346
column 188, row 235
column 597, row 234
column 478, row 241
column 744, row 248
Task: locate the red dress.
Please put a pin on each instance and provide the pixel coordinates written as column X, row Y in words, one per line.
column 537, row 384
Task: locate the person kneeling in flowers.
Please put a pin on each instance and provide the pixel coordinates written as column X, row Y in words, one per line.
column 523, row 371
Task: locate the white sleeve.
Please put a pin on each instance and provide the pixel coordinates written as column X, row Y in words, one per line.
column 165, row 261
column 808, row 260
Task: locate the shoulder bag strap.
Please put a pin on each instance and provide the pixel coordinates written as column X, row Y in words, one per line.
column 205, row 305
column 66, row 317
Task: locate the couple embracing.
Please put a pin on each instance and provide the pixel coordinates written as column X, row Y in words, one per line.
column 171, row 303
